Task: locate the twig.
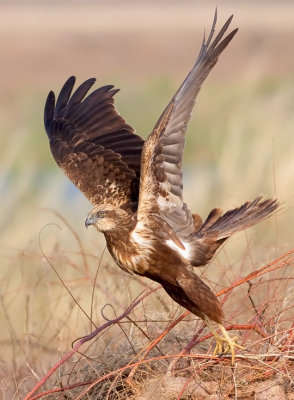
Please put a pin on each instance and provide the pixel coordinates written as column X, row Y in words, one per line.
column 278, row 263
column 84, row 340
column 94, row 286
column 57, row 273
column 263, row 270
column 155, row 342
column 74, row 233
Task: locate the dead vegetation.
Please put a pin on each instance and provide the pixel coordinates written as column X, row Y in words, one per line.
column 155, row 350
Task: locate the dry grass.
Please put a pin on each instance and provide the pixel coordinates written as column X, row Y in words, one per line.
column 144, row 354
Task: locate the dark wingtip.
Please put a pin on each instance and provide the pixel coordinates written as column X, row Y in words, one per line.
column 64, row 95
column 71, row 80
column 230, row 18
column 80, row 93
column 231, row 35
column 92, row 80
column 49, row 111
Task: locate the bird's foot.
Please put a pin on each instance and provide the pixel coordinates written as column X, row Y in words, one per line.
column 224, row 344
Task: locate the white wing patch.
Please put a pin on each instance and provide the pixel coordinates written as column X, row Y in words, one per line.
column 138, row 238
column 184, row 253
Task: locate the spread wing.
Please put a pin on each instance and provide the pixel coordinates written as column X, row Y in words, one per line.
column 98, row 151
column 161, row 172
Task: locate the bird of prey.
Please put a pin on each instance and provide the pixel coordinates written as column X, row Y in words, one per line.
column 135, row 186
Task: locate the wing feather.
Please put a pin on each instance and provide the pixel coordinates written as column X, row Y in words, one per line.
column 93, row 144
column 63, row 97
column 161, row 174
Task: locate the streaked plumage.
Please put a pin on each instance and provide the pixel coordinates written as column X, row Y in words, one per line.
column 136, row 186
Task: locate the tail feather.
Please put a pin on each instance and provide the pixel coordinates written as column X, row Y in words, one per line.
column 238, row 219
column 218, row 227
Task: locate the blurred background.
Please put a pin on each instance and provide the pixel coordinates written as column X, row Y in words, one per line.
column 239, row 143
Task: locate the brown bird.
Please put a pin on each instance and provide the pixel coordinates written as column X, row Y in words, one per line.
column 136, row 186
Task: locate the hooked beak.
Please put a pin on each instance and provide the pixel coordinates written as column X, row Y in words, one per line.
column 90, row 221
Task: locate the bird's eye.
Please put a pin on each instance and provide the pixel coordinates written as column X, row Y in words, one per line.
column 101, row 213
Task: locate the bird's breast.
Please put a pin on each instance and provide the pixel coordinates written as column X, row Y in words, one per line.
column 130, row 256
column 142, row 252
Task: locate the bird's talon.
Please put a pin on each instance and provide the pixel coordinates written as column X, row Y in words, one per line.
column 224, row 344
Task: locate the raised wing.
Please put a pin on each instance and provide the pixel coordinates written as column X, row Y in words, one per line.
column 161, row 172
column 98, row 151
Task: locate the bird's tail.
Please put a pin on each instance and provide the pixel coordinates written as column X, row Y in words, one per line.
column 218, row 227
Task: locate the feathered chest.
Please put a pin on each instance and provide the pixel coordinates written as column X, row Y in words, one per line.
column 131, row 252
column 145, row 249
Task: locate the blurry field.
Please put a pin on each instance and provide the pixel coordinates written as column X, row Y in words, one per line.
column 240, row 144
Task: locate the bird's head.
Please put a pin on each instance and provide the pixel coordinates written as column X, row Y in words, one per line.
column 105, row 217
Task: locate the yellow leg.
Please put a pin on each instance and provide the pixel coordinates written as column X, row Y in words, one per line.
column 223, row 344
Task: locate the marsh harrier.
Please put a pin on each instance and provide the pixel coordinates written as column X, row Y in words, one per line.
column 136, row 186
